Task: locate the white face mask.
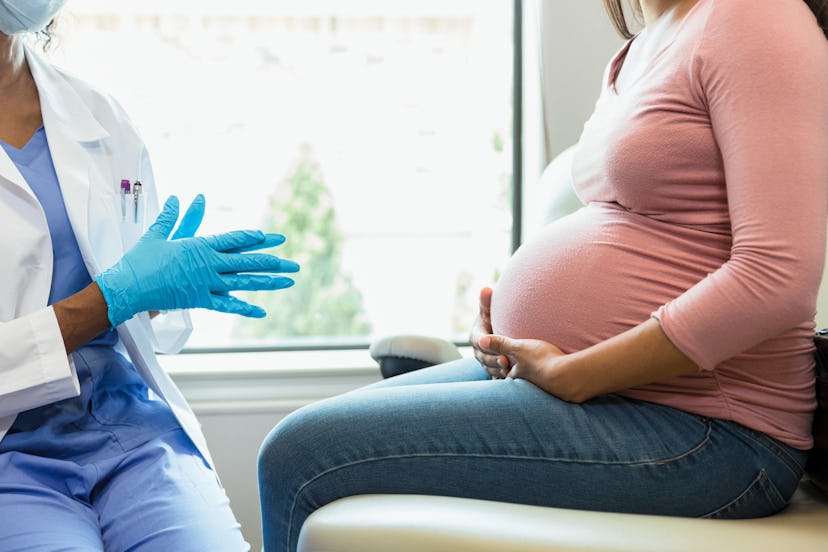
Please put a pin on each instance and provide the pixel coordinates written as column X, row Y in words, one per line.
column 27, row 16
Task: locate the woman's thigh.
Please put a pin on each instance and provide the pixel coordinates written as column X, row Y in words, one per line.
column 498, row 440
column 456, row 371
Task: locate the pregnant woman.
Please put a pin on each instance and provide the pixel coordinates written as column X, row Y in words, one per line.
column 650, row 353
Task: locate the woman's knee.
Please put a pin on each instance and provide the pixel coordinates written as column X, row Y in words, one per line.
column 294, row 442
column 281, row 443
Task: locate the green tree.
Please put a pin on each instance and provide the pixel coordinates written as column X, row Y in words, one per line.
column 324, row 302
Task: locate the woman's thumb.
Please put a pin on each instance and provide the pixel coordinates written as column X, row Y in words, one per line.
column 497, row 344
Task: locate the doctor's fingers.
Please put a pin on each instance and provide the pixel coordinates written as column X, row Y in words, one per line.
column 252, row 282
column 270, row 240
column 226, row 263
column 234, row 241
column 191, row 220
column 165, row 221
column 232, row 305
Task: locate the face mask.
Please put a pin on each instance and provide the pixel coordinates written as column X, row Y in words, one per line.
column 27, row 16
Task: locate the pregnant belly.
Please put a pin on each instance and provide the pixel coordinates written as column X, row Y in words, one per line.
column 598, row 272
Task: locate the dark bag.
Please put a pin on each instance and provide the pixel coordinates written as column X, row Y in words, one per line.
column 817, row 467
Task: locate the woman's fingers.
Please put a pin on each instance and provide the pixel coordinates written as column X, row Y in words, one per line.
column 486, row 309
column 509, row 352
column 490, row 363
column 500, row 344
column 496, row 364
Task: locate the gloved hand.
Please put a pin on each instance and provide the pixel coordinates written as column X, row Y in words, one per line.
column 191, row 220
column 188, row 272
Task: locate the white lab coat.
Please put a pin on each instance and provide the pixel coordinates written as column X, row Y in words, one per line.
column 94, row 146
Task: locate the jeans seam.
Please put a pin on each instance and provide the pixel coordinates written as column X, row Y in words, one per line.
column 767, row 443
column 762, row 479
column 785, row 458
column 685, row 454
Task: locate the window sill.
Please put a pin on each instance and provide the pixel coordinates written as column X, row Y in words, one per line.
column 247, row 364
column 269, row 382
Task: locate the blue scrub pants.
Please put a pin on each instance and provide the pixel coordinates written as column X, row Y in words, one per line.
column 110, row 470
column 450, row 430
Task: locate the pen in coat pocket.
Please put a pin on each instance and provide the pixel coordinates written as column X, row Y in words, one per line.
column 124, row 192
column 136, row 191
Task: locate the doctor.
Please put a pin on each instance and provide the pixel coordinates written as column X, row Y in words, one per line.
column 98, row 449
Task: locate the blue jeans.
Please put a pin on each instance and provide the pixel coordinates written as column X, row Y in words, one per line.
column 450, row 430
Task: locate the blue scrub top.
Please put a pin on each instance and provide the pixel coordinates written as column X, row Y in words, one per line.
column 69, row 274
column 114, row 411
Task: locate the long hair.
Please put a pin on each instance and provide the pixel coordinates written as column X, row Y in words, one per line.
column 820, row 9
column 615, row 9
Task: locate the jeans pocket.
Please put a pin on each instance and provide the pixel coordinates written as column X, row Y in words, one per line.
column 761, row 498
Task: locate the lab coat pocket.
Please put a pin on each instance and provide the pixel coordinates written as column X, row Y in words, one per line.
column 130, row 209
column 111, row 218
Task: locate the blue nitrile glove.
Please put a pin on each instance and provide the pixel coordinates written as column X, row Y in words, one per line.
column 162, row 274
column 191, row 220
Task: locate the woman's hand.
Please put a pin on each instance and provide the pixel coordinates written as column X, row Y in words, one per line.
column 496, row 365
column 641, row 355
column 538, row 362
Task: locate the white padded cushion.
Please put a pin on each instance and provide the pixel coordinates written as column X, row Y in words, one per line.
column 430, row 349
column 414, row 523
column 558, row 188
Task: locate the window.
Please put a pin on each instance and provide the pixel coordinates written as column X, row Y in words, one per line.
column 377, row 136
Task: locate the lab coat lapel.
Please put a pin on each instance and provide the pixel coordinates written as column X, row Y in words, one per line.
column 71, row 130
column 10, row 176
column 72, row 167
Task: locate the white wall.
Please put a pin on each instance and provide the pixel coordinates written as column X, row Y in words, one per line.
column 577, row 42
column 822, row 300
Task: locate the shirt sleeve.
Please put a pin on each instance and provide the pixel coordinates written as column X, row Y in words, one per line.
column 34, row 367
column 763, row 74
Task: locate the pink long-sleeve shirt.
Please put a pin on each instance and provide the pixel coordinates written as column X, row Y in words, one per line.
column 706, row 187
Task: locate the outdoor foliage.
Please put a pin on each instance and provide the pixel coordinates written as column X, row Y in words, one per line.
column 324, row 301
